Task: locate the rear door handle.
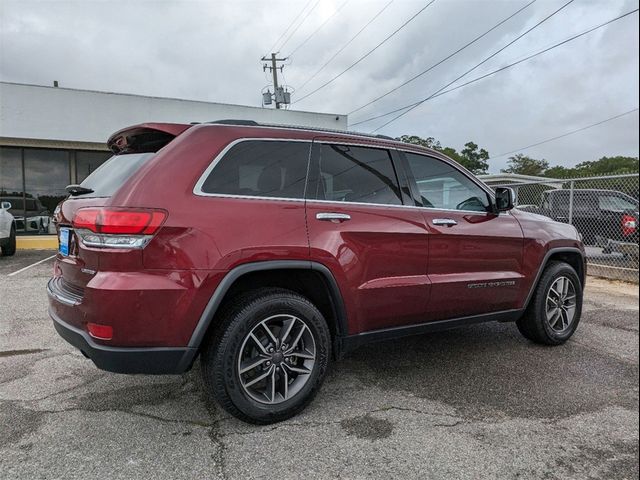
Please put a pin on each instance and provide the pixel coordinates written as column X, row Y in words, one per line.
column 333, row 217
column 444, row 222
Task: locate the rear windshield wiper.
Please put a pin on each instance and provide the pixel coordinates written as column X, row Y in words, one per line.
column 76, row 190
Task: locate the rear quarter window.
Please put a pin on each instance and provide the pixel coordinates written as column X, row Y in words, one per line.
column 261, row 168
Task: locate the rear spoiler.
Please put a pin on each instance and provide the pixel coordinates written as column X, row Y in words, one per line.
column 146, row 137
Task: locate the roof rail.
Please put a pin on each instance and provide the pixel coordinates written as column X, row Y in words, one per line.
column 231, row 121
column 296, row 127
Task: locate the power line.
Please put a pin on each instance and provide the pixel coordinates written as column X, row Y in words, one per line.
column 299, row 24
column 319, row 28
column 369, row 52
column 443, row 60
column 290, row 25
column 345, row 45
column 565, row 134
column 477, row 65
column 481, row 77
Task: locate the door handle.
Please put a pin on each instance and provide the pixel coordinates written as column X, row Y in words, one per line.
column 332, row 217
column 444, row 222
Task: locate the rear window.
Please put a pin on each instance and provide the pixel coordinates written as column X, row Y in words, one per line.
column 111, row 175
column 261, row 168
column 615, row 203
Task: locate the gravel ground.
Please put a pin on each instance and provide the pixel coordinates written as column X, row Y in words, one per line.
column 479, row 402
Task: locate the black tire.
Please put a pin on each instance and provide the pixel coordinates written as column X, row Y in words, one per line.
column 9, row 248
column 534, row 324
column 222, row 349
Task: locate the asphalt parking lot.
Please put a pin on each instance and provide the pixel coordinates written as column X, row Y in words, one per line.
column 479, row 402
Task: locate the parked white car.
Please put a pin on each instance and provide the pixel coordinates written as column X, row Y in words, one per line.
column 7, row 231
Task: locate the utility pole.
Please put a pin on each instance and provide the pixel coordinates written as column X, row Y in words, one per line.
column 277, row 91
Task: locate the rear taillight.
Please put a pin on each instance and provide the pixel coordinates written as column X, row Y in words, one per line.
column 117, row 227
column 629, row 225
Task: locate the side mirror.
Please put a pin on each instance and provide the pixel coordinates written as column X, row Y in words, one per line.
column 505, row 198
column 5, row 205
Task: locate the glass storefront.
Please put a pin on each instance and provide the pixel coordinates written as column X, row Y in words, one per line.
column 33, row 180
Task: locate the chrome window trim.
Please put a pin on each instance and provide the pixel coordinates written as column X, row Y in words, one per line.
column 396, row 144
column 197, row 189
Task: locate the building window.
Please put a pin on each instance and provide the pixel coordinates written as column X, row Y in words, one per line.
column 33, row 180
column 10, row 171
column 46, row 174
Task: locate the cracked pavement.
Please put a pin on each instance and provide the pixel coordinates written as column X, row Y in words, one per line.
column 479, row 402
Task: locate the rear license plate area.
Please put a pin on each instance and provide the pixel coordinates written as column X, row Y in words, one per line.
column 64, row 239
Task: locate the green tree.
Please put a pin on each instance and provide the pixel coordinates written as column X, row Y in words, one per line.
column 560, row 172
column 428, row 142
column 525, row 165
column 470, row 157
column 474, row 159
column 608, row 166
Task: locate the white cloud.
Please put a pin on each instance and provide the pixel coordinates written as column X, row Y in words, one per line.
column 209, row 50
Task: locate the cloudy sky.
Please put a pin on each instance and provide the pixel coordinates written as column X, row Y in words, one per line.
column 210, row 50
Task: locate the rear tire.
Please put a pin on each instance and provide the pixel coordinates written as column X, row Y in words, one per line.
column 9, row 248
column 283, row 335
column 555, row 309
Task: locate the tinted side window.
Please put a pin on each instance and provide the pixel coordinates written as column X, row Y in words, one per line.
column 261, row 169
column 357, row 174
column 442, row 186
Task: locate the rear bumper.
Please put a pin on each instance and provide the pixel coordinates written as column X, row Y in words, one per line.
column 151, row 360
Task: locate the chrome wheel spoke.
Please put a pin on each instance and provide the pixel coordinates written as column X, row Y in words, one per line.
column 294, row 344
column 272, row 399
column 285, row 383
column 251, row 364
column 272, row 337
column 305, row 355
column 301, row 370
column 286, row 329
column 260, row 377
column 565, row 318
column 258, row 343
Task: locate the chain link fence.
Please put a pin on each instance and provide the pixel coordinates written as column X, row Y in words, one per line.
column 604, row 210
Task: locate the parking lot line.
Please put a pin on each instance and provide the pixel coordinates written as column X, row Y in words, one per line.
column 29, row 266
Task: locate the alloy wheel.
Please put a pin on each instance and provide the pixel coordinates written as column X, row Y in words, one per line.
column 276, row 359
column 561, row 304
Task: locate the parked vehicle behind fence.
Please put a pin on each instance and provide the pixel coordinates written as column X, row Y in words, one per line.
column 600, row 216
column 267, row 251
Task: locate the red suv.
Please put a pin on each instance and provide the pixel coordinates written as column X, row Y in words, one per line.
column 267, row 251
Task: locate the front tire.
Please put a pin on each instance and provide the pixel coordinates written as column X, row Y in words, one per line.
column 555, row 309
column 268, row 357
column 9, row 248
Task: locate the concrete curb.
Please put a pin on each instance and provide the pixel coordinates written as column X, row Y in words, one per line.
column 37, row 242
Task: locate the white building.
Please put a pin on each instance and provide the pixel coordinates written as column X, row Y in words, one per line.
column 51, row 137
